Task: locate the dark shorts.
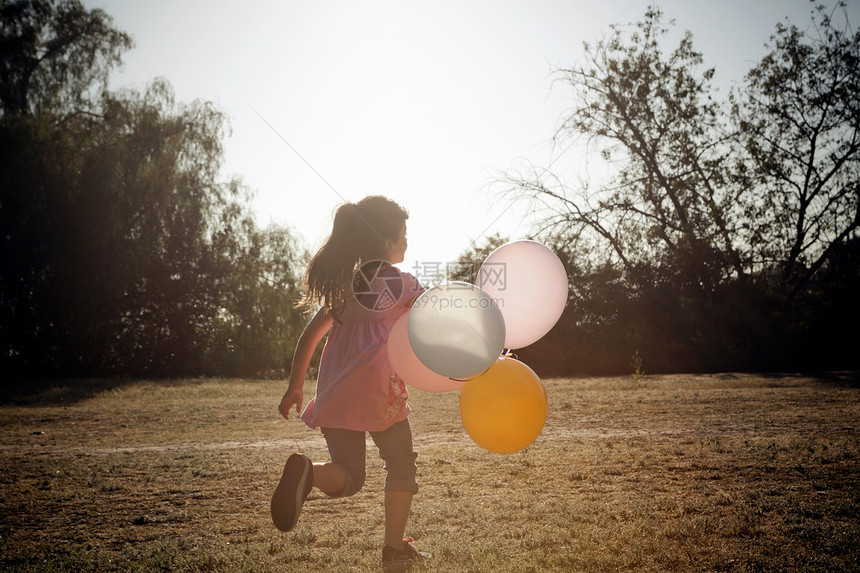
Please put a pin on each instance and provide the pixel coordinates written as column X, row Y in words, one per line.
column 348, row 450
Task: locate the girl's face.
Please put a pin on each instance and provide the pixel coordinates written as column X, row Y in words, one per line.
column 396, row 248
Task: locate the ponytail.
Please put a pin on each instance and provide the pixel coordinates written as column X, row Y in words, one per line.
column 358, row 235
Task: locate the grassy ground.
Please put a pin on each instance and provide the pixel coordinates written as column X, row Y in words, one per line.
column 675, row 473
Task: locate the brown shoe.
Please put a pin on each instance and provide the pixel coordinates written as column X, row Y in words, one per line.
column 396, row 560
column 292, row 491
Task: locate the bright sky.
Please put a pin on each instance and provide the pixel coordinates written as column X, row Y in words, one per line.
column 423, row 101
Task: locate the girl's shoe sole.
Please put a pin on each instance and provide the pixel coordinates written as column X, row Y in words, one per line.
column 296, row 482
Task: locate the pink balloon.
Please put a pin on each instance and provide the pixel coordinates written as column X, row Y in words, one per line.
column 409, row 367
column 529, row 284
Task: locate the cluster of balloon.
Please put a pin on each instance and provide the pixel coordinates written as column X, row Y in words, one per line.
column 456, row 333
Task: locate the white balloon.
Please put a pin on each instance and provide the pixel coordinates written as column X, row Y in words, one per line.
column 529, row 283
column 456, row 330
column 409, row 367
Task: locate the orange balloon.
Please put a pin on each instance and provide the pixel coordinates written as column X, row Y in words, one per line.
column 504, row 409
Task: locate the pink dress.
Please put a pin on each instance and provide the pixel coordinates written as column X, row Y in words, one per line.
column 357, row 388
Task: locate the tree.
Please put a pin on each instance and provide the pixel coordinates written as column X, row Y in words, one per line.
column 54, row 63
column 258, row 325
column 651, row 115
column 799, row 122
column 124, row 253
column 55, row 57
column 706, row 202
column 469, row 262
column 149, row 193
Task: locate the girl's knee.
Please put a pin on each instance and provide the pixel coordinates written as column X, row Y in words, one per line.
column 401, row 473
column 354, row 482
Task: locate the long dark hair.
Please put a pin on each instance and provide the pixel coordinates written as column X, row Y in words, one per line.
column 358, row 235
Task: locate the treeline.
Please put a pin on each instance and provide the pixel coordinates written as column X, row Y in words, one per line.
column 123, row 252
column 611, row 327
column 725, row 237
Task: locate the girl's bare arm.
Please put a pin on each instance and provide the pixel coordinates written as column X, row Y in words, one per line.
column 308, row 341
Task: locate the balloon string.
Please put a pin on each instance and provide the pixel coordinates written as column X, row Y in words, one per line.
column 506, row 353
column 473, row 377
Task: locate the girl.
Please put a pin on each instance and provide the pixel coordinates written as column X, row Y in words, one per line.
column 360, row 297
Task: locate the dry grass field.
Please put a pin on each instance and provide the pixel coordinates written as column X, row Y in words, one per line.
column 659, row 473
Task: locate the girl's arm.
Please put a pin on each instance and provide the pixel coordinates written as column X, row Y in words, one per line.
column 311, row 336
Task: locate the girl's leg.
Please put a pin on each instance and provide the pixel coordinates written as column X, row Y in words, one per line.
column 345, row 474
column 329, row 478
column 395, row 447
column 397, row 506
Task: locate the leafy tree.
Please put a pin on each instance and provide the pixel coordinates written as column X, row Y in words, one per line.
column 123, row 251
column 258, row 324
column 674, row 254
column 151, row 175
column 465, row 268
column 799, row 120
column 702, row 201
column 652, row 116
column 55, row 56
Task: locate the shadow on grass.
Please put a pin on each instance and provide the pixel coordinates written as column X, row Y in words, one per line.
column 66, row 391
column 847, row 379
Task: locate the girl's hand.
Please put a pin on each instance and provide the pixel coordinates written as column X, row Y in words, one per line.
column 292, row 397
